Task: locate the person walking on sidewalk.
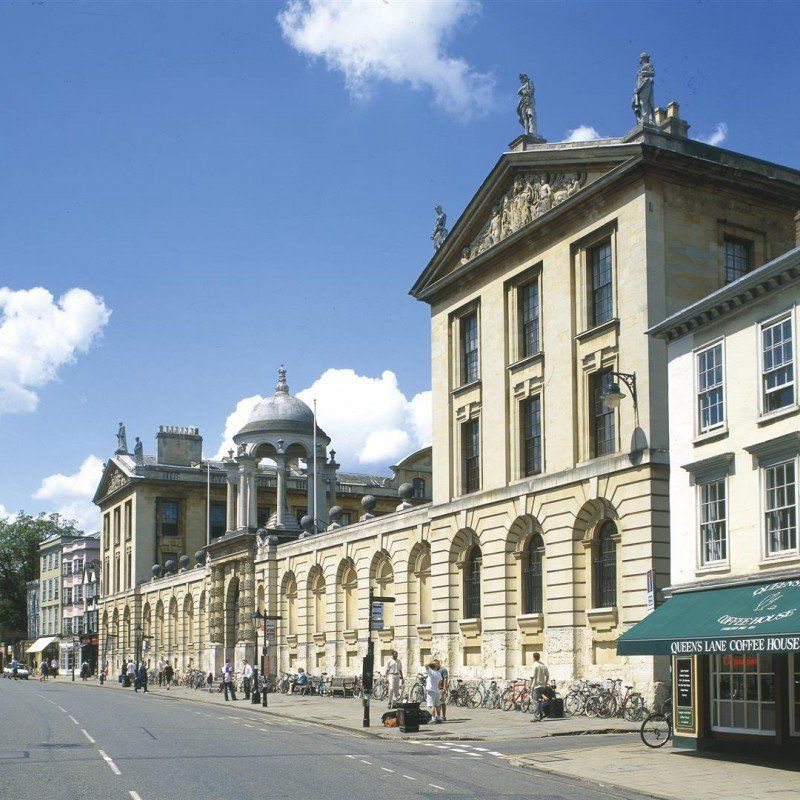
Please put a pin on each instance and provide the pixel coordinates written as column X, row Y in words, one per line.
column 227, row 681
column 43, row 671
column 394, row 675
column 85, row 670
column 130, row 676
column 444, row 689
column 432, row 686
column 53, row 668
column 141, row 678
column 540, row 686
column 169, row 674
column 247, row 678
column 160, row 670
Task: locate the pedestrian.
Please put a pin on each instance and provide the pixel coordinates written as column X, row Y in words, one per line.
column 130, row 674
column 141, row 678
column 394, row 675
column 43, row 671
column 103, row 672
column 540, row 686
column 247, row 674
column 85, row 671
column 169, row 674
column 432, row 686
column 227, row 681
column 160, row 670
column 210, row 682
column 14, row 668
column 53, row 668
column 444, row 689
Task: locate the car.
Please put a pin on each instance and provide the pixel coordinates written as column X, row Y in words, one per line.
column 22, row 672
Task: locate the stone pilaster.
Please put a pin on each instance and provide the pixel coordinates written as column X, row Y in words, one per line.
column 215, row 607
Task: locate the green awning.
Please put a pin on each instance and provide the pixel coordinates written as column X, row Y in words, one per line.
column 763, row 617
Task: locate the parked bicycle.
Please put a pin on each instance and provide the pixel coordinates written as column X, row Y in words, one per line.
column 656, row 729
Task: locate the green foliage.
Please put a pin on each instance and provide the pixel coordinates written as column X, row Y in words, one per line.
column 19, row 562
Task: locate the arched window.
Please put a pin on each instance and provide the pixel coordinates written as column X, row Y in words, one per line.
column 532, row 590
column 384, row 587
column 350, row 589
column 424, row 578
column 472, row 583
column 291, row 606
column 605, row 566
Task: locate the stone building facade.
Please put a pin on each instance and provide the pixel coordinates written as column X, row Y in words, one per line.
column 550, row 458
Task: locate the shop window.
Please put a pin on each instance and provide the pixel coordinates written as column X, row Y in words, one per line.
column 532, row 589
column 780, row 508
column 777, row 365
column 710, row 391
column 713, row 522
column 743, row 693
column 472, row 583
column 605, row 566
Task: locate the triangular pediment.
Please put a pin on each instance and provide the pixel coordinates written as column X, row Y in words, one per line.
column 112, row 479
column 523, row 189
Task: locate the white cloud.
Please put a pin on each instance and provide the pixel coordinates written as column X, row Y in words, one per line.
column 5, row 514
column 371, row 422
column 71, row 495
column 583, row 133
column 369, row 41
column 717, row 136
column 38, row 336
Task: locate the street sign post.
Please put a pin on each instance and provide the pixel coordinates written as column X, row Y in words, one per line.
column 374, row 623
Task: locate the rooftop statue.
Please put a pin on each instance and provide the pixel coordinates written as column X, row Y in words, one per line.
column 642, row 103
column 138, row 452
column 526, row 107
column 122, row 440
column 439, row 229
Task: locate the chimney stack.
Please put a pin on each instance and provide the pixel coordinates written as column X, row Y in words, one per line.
column 179, row 446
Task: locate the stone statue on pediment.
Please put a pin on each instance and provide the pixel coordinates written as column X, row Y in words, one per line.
column 526, row 107
column 440, row 228
column 122, row 439
column 643, row 103
column 138, row 453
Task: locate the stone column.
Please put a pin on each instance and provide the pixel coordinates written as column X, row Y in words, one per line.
column 230, row 523
column 247, row 601
column 280, row 462
column 241, row 505
column 310, row 486
column 322, row 499
column 215, row 607
column 252, row 498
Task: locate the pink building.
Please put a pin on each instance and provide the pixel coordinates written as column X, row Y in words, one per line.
column 75, row 555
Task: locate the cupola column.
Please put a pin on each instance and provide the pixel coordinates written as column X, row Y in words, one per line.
column 241, row 504
column 280, row 463
column 252, row 497
column 231, row 479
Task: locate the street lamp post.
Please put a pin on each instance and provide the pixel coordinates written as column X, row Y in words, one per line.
column 266, row 618
column 368, row 665
column 137, row 631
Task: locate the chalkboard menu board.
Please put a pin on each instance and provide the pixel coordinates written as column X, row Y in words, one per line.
column 684, row 685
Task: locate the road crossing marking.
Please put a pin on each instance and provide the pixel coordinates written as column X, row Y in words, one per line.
column 409, row 777
column 62, row 709
column 83, row 731
column 74, row 720
column 386, row 769
column 134, row 795
column 110, row 762
column 435, row 786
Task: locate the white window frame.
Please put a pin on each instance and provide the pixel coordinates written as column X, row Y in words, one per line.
column 767, row 323
column 780, row 554
column 712, row 699
column 697, row 392
column 702, row 563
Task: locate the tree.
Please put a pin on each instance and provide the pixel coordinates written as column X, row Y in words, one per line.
column 20, row 538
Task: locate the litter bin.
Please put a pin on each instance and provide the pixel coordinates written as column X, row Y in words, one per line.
column 408, row 717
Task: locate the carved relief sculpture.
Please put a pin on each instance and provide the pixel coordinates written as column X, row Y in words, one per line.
column 642, row 103
column 530, row 196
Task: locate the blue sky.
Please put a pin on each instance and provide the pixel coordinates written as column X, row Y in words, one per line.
column 238, row 203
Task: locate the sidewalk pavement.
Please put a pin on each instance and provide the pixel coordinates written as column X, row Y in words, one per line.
column 463, row 724
column 668, row 773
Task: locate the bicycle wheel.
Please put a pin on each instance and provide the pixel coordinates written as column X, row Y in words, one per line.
column 592, row 705
column 608, row 706
column 634, row 708
column 573, row 704
column 507, row 700
column 474, row 698
column 525, row 702
column 417, row 694
column 656, row 730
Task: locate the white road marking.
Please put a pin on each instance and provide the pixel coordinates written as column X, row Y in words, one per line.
column 83, row 731
column 495, row 753
column 386, row 769
column 134, row 795
column 110, row 762
column 366, row 762
column 349, row 756
column 435, row 786
column 62, row 709
column 475, row 755
column 457, row 750
column 74, row 720
column 442, row 746
column 482, row 749
column 409, row 777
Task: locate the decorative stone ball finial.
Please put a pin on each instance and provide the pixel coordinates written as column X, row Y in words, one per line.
column 169, row 567
column 273, row 541
column 156, row 571
column 282, row 386
column 200, row 557
column 307, row 524
column 406, row 492
column 184, row 562
column 335, row 517
column 368, row 503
